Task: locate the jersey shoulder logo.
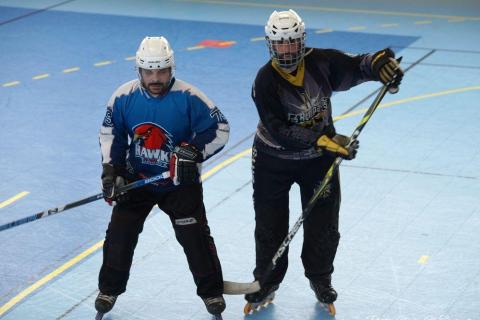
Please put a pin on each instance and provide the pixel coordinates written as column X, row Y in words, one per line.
column 107, row 121
column 218, row 115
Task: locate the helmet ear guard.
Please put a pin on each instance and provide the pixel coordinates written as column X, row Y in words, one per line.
column 285, row 28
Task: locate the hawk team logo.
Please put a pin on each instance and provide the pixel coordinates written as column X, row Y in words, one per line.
column 153, row 144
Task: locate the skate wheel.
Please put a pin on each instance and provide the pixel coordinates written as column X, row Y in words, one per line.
column 331, row 309
column 254, row 307
column 247, row 309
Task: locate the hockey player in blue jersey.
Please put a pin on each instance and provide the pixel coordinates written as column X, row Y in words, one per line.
column 156, row 124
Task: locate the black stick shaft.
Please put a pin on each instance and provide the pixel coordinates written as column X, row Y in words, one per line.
column 50, row 212
column 313, row 200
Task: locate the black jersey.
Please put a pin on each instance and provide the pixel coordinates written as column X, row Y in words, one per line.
column 293, row 117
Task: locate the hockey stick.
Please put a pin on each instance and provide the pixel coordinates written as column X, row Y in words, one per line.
column 51, row 212
column 229, row 286
column 245, row 288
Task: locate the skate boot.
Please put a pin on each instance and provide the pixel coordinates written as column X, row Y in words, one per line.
column 260, row 299
column 103, row 304
column 325, row 294
column 215, row 305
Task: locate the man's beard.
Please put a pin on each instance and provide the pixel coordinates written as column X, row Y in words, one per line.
column 157, row 85
column 288, row 56
column 157, row 88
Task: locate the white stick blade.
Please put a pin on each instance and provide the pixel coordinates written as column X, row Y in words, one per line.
column 230, row 287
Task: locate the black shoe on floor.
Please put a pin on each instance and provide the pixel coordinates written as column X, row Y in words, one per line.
column 104, row 302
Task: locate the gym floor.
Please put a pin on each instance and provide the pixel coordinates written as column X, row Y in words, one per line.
column 410, row 246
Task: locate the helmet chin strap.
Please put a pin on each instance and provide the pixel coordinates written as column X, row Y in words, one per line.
column 289, row 69
column 292, row 68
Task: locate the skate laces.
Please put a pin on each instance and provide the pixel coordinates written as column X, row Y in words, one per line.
column 105, row 297
column 212, row 300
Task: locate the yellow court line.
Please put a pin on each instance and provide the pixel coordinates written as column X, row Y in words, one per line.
column 41, row 76
column 389, row 25
column 210, row 172
column 225, row 163
column 423, row 22
column 415, row 98
column 103, row 63
column 13, row 199
column 331, row 9
column 257, row 39
column 354, row 28
column 430, row 95
column 19, row 297
column 326, row 30
column 71, row 70
column 423, row 259
column 11, row 84
column 457, row 20
column 195, row 48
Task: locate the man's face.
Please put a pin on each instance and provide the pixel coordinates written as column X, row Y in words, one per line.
column 156, row 81
column 287, row 50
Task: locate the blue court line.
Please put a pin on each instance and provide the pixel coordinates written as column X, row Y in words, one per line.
column 35, row 12
column 102, row 63
column 333, row 9
column 415, row 98
column 55, row 273
column 38, row 284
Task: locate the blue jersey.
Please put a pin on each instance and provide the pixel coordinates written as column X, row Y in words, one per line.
column 140, row 131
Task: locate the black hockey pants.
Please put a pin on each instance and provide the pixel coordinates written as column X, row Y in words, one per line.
column 272, row 179
column 186, row 210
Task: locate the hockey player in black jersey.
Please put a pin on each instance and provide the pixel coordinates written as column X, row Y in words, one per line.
column 296, row 142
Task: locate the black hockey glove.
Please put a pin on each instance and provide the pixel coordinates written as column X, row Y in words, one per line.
column 111, row 181
column 339, row 146
column 183, row 164
column 386, row 69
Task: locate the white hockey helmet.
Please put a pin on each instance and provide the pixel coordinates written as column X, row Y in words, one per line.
column 155, row 53
column 285, row 28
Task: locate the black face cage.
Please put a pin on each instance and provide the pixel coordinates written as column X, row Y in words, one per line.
column 285, row 58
